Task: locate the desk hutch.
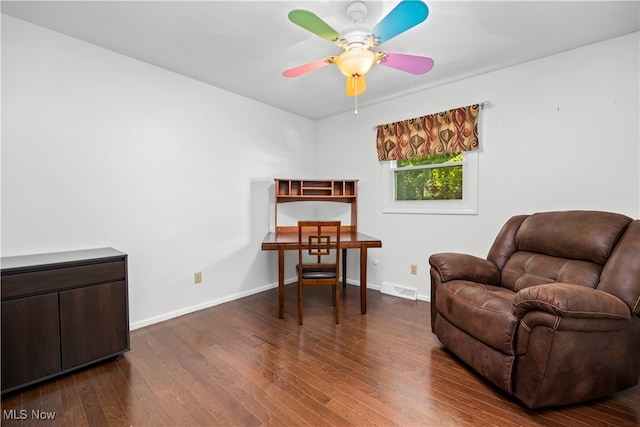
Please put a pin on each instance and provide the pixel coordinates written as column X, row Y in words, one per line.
column 317, row 190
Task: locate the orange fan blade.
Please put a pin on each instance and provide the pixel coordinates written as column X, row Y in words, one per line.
column 356, row 85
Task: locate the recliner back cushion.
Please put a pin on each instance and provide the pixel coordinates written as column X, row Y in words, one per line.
column 580, row 235
column 524, row 269
column 568, row 246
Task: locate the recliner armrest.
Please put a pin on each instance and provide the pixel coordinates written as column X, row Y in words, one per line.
column 453, row 266
column 567, row 300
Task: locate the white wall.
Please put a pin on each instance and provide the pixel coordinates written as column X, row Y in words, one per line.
column 561, row 133
column 102, row 150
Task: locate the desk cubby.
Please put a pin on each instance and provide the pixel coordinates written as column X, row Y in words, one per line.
column 323, row 190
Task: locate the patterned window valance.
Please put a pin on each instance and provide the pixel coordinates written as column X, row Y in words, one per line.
column 445, row 132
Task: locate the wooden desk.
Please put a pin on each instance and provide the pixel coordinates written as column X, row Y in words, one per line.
column 284, row 241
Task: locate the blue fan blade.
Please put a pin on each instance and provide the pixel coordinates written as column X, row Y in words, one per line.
column 405, row 15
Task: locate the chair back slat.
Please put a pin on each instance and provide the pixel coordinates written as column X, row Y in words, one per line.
column 318, row 258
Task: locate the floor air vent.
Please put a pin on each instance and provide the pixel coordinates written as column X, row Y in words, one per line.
column 399, row 291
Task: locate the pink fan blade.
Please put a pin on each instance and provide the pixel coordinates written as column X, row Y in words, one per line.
column 410, row 63
column 302, row 69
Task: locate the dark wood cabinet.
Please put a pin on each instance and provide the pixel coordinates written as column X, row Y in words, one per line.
column 61, row 311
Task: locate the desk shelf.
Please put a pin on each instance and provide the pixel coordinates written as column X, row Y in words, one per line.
column 323, row 190
column 290, row 190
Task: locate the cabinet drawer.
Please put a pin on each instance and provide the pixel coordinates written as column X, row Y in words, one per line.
column 51, row 280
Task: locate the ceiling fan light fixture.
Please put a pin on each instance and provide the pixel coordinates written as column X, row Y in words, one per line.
column 355, row 62
column 356, row 42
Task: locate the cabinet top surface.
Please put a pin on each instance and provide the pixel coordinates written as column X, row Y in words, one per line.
column 56, row 258
column 316, row 180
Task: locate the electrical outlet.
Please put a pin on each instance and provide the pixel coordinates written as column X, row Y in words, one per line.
column 197, row 277
column 414, row 269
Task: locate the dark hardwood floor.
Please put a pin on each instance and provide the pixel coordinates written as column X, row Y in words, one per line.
column 238, row 364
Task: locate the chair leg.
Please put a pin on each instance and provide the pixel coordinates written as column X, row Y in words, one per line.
column 344, row 269
column 336, row 297
column 299, row 303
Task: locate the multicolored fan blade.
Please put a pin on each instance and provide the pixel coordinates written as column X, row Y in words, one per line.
column 410, row 63
column 356, row 85
column 405, row 15
column 302, row 69
column 311, row 22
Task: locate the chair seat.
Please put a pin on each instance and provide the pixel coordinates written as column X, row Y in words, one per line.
column 317, row 272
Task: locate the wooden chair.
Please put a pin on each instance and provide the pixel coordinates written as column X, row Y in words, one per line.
column 318, row 259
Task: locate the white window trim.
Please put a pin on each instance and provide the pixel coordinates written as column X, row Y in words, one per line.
column 467, row 206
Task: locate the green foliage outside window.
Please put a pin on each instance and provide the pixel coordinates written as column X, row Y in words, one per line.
column 440, row 180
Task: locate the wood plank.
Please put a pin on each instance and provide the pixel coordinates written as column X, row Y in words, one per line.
column 91, row 406
column 73, row 413
column 238, row 364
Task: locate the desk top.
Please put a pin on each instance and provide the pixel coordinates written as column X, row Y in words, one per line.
column 272, row 240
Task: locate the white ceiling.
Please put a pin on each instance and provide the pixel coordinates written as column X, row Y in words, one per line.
column 243, row 46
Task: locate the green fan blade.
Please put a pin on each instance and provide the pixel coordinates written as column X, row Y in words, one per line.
column 311, row 22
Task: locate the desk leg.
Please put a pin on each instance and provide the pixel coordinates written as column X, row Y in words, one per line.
column 363, row 279
column 344, row 268
column 281, row 281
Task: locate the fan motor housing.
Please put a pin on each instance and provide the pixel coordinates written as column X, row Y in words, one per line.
column 356, row 35
column 356, row 11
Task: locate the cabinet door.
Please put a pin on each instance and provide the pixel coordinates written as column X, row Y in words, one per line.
column 93, row 323
column 30, row 339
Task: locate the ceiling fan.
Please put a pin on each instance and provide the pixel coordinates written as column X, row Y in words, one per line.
column 357, row 58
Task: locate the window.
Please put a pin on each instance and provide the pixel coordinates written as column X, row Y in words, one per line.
column 439, row 183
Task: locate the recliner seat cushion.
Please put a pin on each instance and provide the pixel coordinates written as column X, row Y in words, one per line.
column 482, row 311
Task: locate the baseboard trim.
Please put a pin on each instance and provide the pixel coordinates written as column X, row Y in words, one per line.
column 191, row 309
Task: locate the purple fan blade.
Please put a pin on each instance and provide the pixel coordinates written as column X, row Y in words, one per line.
column 410, row 63
column 302, row 69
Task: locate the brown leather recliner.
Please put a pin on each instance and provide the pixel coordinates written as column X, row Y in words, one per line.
column 552, row 316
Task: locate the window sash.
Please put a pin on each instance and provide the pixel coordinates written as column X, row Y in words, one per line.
column 407, row 170
column 430, row 166
column 468, row 205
